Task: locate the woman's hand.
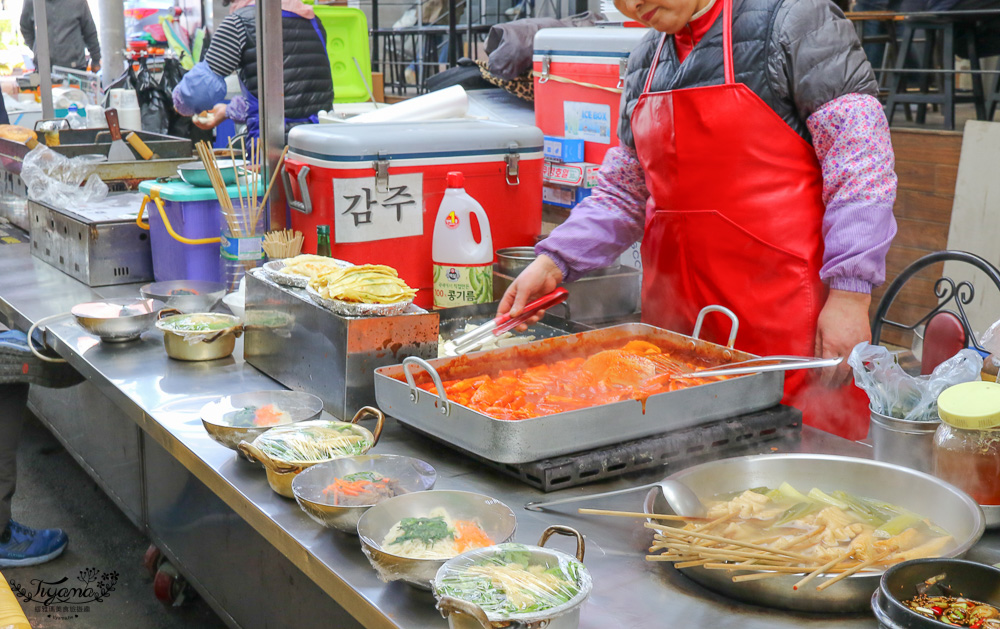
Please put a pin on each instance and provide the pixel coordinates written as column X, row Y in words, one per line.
column 540, row 278
column 218, row 114
column 843, row 323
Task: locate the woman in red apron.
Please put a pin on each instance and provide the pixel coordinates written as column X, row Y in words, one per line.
column 756, row 167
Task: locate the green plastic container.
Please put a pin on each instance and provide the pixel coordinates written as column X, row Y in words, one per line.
column 346, row 40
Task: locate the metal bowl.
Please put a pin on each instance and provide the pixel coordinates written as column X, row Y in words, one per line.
column 186, row 295
column 466, row 614
column 512, row 260
column 194, row 173
column 281, row 472
column 198, row 346
column 495, row 517
column 946, row 505
column 117, row 320
column 300, row 407
column 412, row 475
column 972, row 580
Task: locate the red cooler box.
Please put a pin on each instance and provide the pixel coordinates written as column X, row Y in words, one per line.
column 378, row 187
column 564, row 59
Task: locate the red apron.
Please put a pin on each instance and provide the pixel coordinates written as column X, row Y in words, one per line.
column 735, row 218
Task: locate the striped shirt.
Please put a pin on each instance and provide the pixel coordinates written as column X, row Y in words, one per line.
column 225, row 54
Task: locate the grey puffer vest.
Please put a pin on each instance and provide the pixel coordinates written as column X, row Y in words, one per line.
column 307, row 79
column 797, row 55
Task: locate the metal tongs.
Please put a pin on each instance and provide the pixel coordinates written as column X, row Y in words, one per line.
column 764, row 363
column 474, row 338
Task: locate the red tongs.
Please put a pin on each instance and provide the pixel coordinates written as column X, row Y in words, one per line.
column 473, row 339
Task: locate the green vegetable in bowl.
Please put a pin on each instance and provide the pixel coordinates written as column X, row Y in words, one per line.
column 514, row 581
column 312, row 442
column 198, row 323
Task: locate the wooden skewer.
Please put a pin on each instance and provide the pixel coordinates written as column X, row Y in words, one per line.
column 757, row 576
column 818, row 571
column 635, row 514
column 730, row 555
column 742, row 567
column 270, row 184
column 717, row 538
column 717, row 521
column 846, row 573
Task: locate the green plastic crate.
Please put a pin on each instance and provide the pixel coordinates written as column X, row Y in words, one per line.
column 347, row 37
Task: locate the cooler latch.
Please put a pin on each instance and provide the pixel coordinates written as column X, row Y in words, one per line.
column 546, row 66
column 512, row 160
column 381, row 167
column 622, row 71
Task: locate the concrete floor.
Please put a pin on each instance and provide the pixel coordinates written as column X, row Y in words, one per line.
column 53, row 491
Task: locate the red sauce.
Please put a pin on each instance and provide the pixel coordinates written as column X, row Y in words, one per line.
column 970, row 460
column 628, row 372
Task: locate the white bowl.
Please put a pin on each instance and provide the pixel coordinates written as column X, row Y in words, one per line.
column 236, row 302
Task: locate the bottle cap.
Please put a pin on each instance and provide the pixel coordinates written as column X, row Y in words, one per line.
column 971, row 405
column 323, row 230
column 455, row 179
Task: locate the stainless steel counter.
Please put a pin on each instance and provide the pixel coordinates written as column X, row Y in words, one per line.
column 163, row 396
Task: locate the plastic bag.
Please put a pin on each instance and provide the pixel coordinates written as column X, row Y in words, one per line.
column 55, row 179
column 152, row 104
column 177, row 125
column 895, row 393
column 991, row 342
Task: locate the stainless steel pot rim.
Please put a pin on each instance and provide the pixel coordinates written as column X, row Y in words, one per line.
column 209, row 414
column 146, row 306
column 377, row 546
column 586, row 584
column 315, row 470
column 517, row 253
column 979, row 522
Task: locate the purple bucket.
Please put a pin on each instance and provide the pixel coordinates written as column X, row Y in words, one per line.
column 175, row 260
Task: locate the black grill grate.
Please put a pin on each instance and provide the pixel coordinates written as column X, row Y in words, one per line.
column 715, row 440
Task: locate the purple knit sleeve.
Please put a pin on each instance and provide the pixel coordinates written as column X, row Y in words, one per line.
column 604, row 224
column 851, row 138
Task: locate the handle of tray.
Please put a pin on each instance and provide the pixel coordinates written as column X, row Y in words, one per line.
column 371, row 411
column 449, row 605
column 568, row 531
column 726, row 311
column 445, row 405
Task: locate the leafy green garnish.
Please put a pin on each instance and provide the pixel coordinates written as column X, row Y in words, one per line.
column 427, row 530
column 369, row 476
column 242, row 418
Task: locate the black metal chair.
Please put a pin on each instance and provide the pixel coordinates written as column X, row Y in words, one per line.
column 946, row 95
column 948, row 293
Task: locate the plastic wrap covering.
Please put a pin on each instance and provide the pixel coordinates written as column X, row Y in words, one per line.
column 195, row 328
column 515, row 583
column 56, row 180
column 991, row 342
column 313, row 441
column 895, row 393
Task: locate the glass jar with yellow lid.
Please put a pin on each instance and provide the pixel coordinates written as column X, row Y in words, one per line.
column 967, row 443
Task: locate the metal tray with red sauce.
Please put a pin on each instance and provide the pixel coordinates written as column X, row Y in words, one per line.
column 571, row 393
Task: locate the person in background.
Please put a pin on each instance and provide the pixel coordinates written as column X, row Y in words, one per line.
column 307, row 78
column 757, row 168
column 71, row 31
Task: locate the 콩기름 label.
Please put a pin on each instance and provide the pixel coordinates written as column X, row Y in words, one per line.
column 242, row 249
column 458, row 285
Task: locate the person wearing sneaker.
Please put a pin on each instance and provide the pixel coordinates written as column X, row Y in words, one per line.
column 19, row 544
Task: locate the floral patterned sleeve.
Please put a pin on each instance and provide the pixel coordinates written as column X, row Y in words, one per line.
column 604, row 224
column 851, row 138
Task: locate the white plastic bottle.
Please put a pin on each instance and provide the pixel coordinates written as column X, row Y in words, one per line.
column 463, row 268
column 75, row 120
